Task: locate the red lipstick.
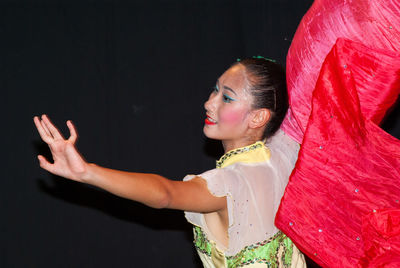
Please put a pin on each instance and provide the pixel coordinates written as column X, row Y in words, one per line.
column 208, row 122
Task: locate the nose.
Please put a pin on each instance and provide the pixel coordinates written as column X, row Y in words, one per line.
column 210, row 103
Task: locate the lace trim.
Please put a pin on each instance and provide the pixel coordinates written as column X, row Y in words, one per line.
column 232, row 153
column 275, row 252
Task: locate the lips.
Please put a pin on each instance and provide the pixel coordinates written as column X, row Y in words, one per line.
column 210, row 121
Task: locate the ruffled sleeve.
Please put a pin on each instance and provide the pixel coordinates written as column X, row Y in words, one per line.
column 253, row 192
column 219, row 183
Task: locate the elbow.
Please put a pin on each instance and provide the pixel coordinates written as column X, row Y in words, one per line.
column 160, row 195
column 163, row 200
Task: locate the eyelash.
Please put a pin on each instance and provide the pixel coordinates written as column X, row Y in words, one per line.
column 225, row 98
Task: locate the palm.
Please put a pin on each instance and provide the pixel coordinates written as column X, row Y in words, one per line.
column 68, row 162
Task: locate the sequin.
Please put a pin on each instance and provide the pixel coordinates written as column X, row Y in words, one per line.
column 267, row 251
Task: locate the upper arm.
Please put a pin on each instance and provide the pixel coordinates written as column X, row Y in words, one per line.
column 194, row 195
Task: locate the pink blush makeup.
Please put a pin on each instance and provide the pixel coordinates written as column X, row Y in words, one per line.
column 232, row 117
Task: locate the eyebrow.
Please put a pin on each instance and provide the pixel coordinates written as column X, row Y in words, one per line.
column 227, row 88
column 231, row 90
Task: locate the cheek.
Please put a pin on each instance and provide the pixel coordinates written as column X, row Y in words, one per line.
column 234, row 117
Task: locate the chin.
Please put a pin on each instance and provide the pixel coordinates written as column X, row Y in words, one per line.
column 205, row 132
column 208, row 134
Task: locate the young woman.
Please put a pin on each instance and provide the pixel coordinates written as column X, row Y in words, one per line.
column 233, row 206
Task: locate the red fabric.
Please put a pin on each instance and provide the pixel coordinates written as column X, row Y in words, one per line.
column 341, row 206
column 381, row 230
column 348, row 167
column 374, row 23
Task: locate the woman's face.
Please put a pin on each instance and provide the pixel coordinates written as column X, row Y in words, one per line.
column 229, row 106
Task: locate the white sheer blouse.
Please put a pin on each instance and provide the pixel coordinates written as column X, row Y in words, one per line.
column 253, row 179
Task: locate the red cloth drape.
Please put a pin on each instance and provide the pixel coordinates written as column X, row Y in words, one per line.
column 342, row 204
column 374, row 23
column 347, row 177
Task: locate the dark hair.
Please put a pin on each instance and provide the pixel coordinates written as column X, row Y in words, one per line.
column 267, row 81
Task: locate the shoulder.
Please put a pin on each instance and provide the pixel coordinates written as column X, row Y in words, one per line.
column 225, row 174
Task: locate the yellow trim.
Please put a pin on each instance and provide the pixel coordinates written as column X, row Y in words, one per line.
column 254, row 153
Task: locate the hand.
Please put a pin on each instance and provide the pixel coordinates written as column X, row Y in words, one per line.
column 68, row 163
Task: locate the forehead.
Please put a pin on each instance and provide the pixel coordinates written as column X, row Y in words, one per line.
column 234, row 77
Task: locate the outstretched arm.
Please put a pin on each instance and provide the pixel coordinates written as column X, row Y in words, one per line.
column 150, row 189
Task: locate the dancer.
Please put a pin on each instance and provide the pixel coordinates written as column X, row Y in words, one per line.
column 232, row 207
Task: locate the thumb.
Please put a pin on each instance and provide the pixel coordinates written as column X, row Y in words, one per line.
column 45, row 164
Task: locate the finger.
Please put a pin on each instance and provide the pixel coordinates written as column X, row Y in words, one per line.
column 43, row 134
column 46, row 129
column 53, row 130
column 45, row 164
column 72, row 131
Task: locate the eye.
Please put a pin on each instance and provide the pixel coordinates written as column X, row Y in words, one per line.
column 227, row 99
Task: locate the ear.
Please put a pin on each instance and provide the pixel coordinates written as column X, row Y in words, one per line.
column 260, row 118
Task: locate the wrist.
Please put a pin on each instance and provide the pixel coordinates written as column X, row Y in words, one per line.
column 89, row 173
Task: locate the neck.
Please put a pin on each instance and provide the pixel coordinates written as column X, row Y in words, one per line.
column 231, row 145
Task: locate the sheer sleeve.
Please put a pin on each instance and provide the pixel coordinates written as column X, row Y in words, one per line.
column 253, row 195
column 218, row 183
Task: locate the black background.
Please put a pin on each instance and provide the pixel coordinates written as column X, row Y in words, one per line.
column 133, row 76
